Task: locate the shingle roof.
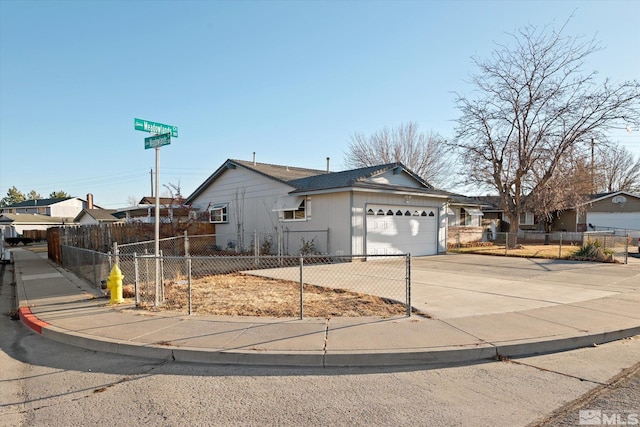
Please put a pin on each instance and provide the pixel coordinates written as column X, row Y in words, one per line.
column 304, row 180
column 277, row 172
column 280, row 172
column 354, row 178
column 38, row 202
column 33, row 218
column 101, row 215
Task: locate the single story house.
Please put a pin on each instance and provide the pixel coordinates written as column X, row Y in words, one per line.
column 96, row 216
column 384, row 209
column 15, row 224
column 144, row 211
column 494, row 217
column 619, row 210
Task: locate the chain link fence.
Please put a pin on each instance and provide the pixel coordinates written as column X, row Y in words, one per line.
column 283, row 242
column 259, row 285
column 548, row 245
column 92, row 266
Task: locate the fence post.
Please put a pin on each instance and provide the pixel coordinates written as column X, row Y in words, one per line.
column 95, row 268
column 256, row 247
column 560, row 254
column 301, row 288
column 116, row 252
column 506, row 243
column 626, row 248
column 136, row 287
column 328, row 252
column 189, row 283
column 161, row 276
column 408, row 283
column 186, row 244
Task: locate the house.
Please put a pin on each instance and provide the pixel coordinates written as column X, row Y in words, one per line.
column 96, row 216
column 619, row 210
column 384, row 209
column 15, row 224
column 67, row 207
column 494, row 217
column 144, row 211
column 41, row 214
column 466, row 221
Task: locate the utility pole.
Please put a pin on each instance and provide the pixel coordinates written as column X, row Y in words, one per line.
column 593, row 176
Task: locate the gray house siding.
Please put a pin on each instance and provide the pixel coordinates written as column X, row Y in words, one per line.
column 250, row 198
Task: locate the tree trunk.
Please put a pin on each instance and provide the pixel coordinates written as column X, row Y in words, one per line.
column 512, row 241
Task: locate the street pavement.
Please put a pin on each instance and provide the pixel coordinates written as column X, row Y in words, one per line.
column 480, row 308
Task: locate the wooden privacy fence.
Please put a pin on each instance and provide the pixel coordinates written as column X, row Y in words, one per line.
column 101, row 237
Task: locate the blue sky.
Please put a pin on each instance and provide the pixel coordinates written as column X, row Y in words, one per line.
column 291, row 81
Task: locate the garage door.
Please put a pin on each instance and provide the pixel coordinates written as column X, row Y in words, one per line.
column 402, row 229
column 622, row 220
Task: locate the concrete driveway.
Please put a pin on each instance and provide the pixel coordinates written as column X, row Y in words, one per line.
column 450, row 286
column 462, row 285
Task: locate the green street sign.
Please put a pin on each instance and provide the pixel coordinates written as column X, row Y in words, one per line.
column 153, row 127
column 157, row 140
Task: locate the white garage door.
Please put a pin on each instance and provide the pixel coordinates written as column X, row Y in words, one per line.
column 402, row 229
column 621, row 220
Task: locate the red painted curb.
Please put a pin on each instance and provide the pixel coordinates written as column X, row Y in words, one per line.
column 31, row 320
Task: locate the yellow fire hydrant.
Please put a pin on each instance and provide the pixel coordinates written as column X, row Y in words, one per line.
column 114, row 284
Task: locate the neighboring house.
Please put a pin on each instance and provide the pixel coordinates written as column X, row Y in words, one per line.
column 96, row 216
column 145, row 211
column 466, row 222
column 15, row 224
column 494, row 216
column 385, row 209
column 41, row 214
column 67, row 207
column 619, row 210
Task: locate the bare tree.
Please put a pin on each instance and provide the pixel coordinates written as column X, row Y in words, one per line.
column 616, row 170
column 59, row 195
column 425, row 154
column 533, row 107
column 177, row 209
column 569, row 186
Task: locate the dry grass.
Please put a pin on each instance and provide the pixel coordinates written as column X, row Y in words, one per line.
column 525, row 250
column 246, row 295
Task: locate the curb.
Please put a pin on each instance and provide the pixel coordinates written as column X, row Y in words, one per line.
column 441, row 356
column 31, row 321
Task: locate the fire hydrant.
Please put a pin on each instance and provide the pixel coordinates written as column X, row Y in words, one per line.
column 114, row 284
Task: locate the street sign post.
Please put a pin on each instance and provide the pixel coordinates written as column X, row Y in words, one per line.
column 163, row 134
column 154, row 127
column 157, row 140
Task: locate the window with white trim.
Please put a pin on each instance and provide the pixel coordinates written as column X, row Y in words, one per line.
column 295, row 214
column 218, row 214
column 526, row 218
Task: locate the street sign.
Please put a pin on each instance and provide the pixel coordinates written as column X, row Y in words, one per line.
column 153, row 127
column 157, row 140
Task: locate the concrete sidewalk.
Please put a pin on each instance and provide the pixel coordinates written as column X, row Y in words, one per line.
column 483, row 307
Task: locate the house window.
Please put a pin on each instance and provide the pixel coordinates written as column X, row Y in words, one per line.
column 470, row 217
column 295, row 214
column 218, row 214
column 526, row 218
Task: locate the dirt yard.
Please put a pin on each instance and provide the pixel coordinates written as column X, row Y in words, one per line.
column 246, row 295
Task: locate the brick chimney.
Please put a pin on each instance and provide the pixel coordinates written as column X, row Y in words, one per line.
column 89, row 201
